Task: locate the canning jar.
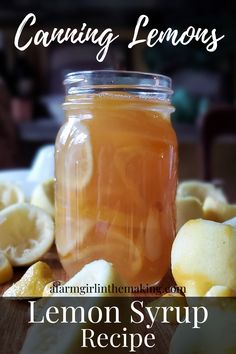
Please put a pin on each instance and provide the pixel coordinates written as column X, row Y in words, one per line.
column 116, row 172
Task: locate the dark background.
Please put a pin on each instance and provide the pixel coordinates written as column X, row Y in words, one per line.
column 202, row 80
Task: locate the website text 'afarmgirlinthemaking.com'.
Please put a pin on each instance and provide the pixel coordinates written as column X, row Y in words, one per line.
column 113, row 289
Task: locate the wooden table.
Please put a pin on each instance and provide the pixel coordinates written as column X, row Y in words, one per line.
column 14, row 314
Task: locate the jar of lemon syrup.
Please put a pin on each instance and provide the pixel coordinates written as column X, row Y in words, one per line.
column 116, row 174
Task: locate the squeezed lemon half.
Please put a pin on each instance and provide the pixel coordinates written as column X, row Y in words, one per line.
column 26, row 233
column 10, row 194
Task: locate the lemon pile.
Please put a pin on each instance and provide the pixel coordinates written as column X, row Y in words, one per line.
column 203, row 254
column 203, row 258
column 197, row 199
column 26, row 229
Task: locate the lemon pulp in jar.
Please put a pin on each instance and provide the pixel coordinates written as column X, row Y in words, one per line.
column 116, row 168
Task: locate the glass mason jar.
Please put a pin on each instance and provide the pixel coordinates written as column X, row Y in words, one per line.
column 116, row 174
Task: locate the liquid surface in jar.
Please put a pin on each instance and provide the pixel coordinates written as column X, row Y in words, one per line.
column 116, row 159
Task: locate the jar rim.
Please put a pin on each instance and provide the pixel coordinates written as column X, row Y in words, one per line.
column 117, row 79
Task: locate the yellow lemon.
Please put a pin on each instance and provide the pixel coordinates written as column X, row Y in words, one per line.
column 26, row 233
column 32, row 282
column 203, row 255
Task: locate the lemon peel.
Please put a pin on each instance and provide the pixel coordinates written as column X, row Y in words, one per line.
column 203, row 256
column 32, row 282
column 26, row 233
